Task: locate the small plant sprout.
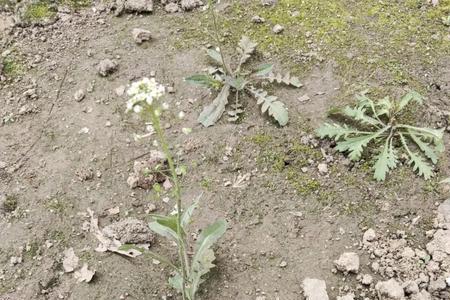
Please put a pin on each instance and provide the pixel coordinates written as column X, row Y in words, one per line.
column 379, row 124
column 233, row 81
column 189, row 271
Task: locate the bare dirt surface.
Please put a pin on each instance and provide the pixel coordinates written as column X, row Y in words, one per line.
column 66, row 146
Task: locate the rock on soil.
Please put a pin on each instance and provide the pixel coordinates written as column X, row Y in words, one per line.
column 350, row 296
column 106, row 67
column 79, row 95
column 369, row 235
column 278, row 29
column 171, row 8
column 141, row 35
column 390, row 289
column 144, row 172
column 139, row 6
column 130, row 231
column 190, row 4
column 314, row 289
column 348, row 262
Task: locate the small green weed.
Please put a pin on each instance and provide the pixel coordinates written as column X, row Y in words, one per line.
column 378, row 123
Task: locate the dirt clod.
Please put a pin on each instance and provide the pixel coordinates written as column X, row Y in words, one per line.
column 315, row 289
column 106, row 67
column 130, row 231
column 348, row 262
column 141, row 35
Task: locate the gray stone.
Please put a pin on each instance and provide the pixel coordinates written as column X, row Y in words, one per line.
column 348, row 262
column 437, row 285
column 369, row 235
column 443, row 215
column 106, row 67
column 268, row 2
column 440, row 242
column 190, row 4
column 79, row 95
column 422, row 295
column 390, row 289
column 278, row 29
column 139, row 5
column 315, row 289
column 349, row 296
column 171, row 8
column 141, row 35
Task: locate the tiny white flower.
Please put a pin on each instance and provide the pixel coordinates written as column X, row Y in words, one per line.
column 165, row 106
column 186, row 130
column 181, row 115
column 155, row 143
column 137, row 108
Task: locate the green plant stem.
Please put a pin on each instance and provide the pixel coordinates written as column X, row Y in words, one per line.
column 177, row 193
column 216, row 36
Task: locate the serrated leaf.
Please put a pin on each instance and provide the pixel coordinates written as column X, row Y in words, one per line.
column 420, row 165
column 417, row 161
column 204, row 81
column 216, row 56
column 424, row 147
column 246, row 49
column 263, row 70
column 359, row 114
column 212, row 113
column 287, row 79
column 271, row 105
column 203, row 259
column 411, row 96
column 387, row 159
column 335, row 131
column 355, row 145
column 238, row 83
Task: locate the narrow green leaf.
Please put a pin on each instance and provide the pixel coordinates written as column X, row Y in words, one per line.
column 238, row 83
column 417, row 161
column 163, row 231
column 187, row 214
column 212, row 113
column 209, row 236
column 204, row 81
column 263, row 70
column 359, row 114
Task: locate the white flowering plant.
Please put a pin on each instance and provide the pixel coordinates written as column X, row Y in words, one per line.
column 145, row 100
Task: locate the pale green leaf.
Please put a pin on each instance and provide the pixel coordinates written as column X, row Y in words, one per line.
column 246, row 49
column 274, row 107
column 162, row 230
column 355, row 145
column 263, row 70
column 386, row 160
column 359, row 114
column 424, row 147
column 411, row 96
column 238, row 83
column 187, row 215
column 336, row 131
column 176, row 282
column 420, row 165
column 212, row 113
column 204, row 80
column 215, row 55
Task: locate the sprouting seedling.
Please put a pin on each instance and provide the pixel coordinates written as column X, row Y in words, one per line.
column 378, row 124
column 189, row 271
column 232, row 83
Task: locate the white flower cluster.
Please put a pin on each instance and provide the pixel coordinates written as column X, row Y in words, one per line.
column 143, row 92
